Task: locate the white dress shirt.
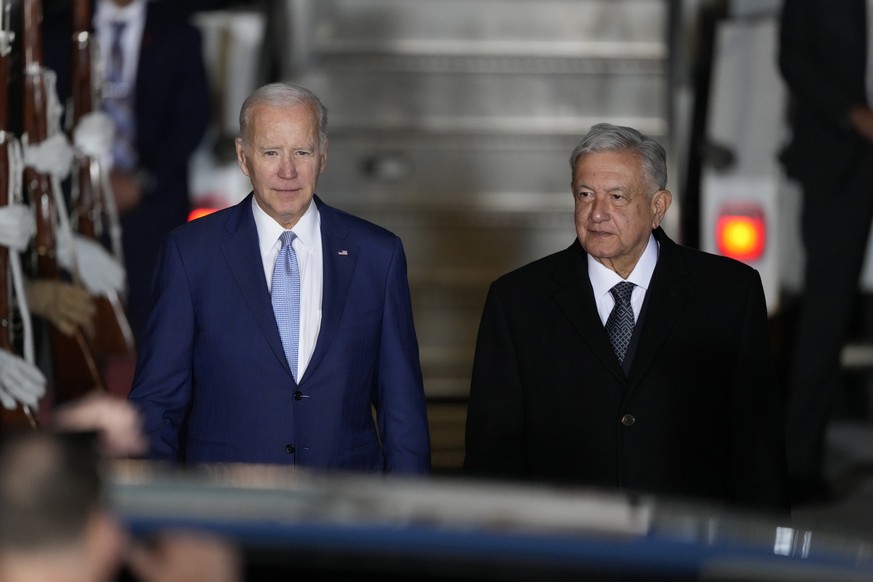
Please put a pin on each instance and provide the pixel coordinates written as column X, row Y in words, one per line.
column 603, row 279
column 134, row 15
column 307, row 246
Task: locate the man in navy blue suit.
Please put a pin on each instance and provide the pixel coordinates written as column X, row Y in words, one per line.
column 213, row 380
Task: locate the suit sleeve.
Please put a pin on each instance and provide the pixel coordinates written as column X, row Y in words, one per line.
column 401, row 406
column 758, row 451
column 494, row 440
column 163, row 380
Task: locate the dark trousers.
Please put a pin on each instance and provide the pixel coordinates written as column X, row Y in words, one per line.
column 835, row 226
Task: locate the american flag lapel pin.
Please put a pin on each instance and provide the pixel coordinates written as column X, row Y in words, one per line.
column 343, row 253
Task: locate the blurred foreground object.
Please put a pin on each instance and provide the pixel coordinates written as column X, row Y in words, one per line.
column 55, row 525
column 186, row 556
column 301, row 524
column 58, row 527
column 115, row 420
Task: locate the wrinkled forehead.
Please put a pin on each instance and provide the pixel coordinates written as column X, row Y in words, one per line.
column 289, row 125
column 609, row 169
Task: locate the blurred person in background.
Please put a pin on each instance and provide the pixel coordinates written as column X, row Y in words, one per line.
column 627, row 361
column 825, row 59
column 282, row 330
column 156, row 90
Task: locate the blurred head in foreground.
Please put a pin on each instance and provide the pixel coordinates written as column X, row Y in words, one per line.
column 55, row 525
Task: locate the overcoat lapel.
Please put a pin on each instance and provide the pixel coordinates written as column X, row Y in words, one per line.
column 666, row 296
column 576, row 299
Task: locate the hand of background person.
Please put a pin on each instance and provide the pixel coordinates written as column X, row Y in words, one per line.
column 65, row 305
column 20, row 382
column 99, row 271
column 17, row 226
column 115, row 419
column 127, row 190
column 861, row 118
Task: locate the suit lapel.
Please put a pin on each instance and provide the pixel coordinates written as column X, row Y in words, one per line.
column 243, row 256
column 340, row 256
column 665, row 297
column 576, row 299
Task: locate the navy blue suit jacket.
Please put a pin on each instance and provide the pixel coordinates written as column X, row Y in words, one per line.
column 212, row 380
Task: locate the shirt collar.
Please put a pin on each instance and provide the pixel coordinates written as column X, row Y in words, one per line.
column 603, row 279
column 307, row 228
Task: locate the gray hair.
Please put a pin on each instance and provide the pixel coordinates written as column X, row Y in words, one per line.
column 283, row 94
column 606, row 137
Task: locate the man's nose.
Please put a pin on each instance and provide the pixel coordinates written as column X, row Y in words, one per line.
column 599, row 210
column 288, row 168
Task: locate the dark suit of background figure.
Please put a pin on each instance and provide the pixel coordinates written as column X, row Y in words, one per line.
column 172, row 106
column 212, row 359
column 822, row 58
column 696, row 416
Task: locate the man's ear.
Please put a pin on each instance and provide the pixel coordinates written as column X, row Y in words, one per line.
column 241, row 155
column 660, row 203
column 323, row 156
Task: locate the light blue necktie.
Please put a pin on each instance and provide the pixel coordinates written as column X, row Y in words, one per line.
column 620, row 324
column 285, row 292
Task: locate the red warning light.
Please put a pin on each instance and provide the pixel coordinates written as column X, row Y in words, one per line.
column 200, row 212
column 741, row 232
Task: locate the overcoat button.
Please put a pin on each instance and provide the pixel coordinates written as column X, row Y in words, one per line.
column 290, row 449
column 628, row 420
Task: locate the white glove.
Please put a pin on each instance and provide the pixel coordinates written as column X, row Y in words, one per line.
column 17, row 226
column 53, row 155
column 19, row 382
column 94, row 134
column 101, row 273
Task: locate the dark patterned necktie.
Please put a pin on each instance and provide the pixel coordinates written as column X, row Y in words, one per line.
column 620, row 324
column 118, row 103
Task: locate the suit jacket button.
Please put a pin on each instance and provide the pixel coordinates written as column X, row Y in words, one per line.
column 289, row 448
column 628, row 420
column 298, row 395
